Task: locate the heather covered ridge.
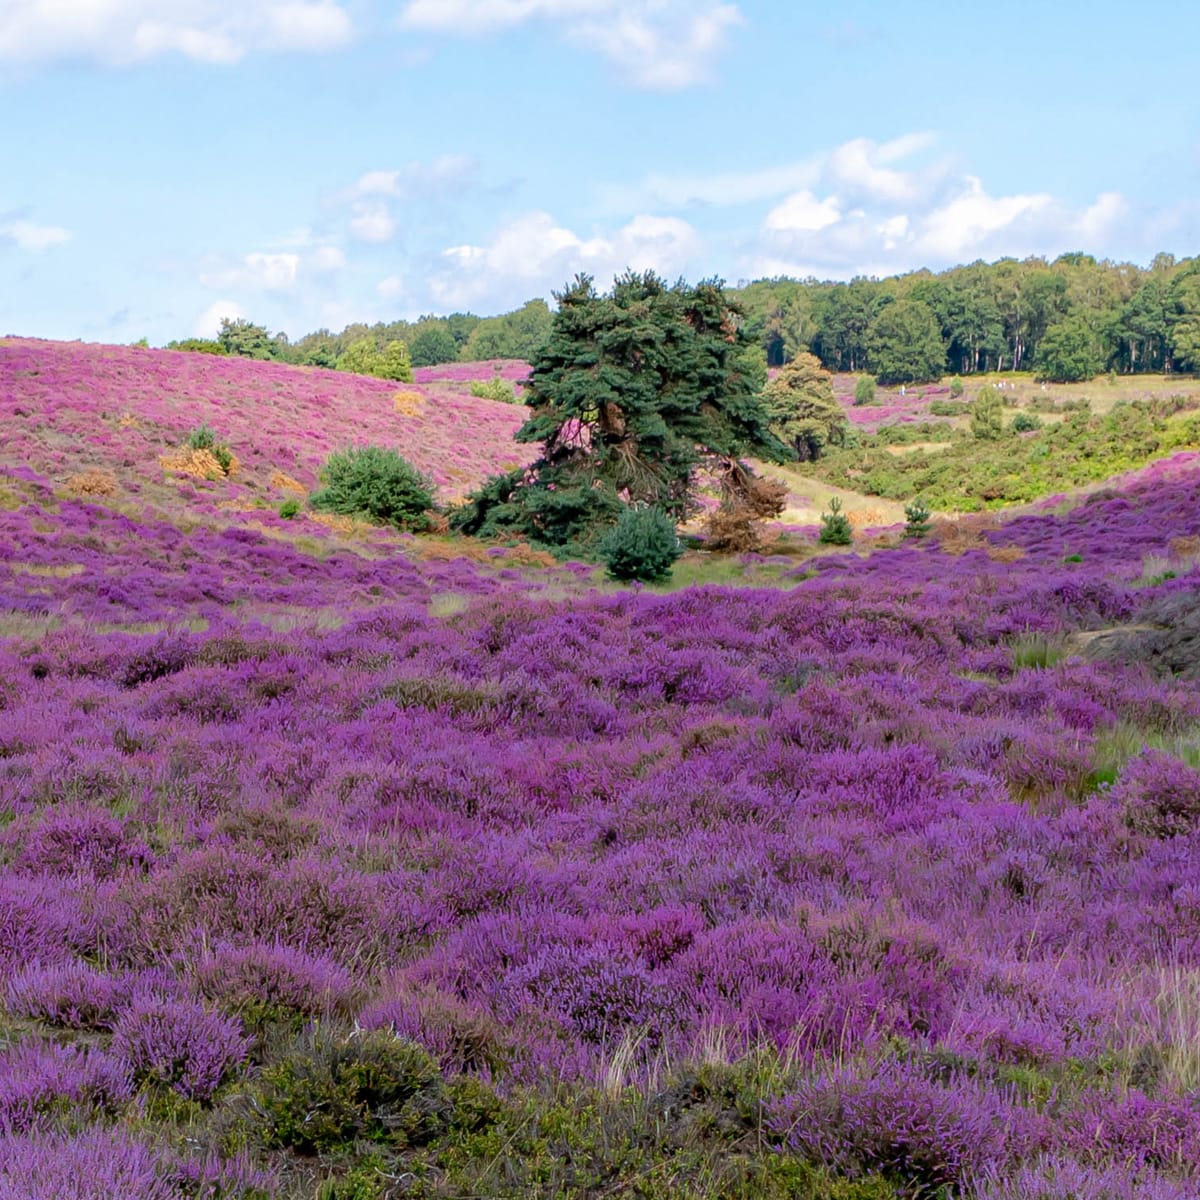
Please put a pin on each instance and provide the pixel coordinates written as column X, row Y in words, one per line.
column 332, row 868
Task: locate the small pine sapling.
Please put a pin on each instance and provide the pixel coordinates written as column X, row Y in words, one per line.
column 916, row 518
column 836, row 529
column 864, row 390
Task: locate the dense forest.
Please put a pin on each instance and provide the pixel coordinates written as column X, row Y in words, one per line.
column 1066, row 320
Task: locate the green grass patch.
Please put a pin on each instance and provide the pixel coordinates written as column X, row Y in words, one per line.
column 971, row 474
column 1036, row 652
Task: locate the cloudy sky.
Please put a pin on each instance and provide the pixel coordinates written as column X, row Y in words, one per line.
column 309, row 163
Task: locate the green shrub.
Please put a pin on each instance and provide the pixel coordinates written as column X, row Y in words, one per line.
column 333, row 1090
column 642, row 545
column 1026, row 423
column 916, row 518
column 864, row 390
column 495, row 389
column 202, row 438
column 198, row 346
column 836, row 529
column 987, row 415
column 289, row 509
column 376, row 483
column 948, row 408
column 956, row 387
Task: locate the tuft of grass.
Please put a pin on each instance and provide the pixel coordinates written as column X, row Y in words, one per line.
column 1117, row 744
column 1036, row 651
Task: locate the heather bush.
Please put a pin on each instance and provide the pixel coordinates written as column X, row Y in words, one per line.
column 926, row 1137
column 273, row 984
column 642, row 545
column 94, row 1165
column 836, row 529
column 1060, row 1178
column 40, row 921
column 39, row 1082
column 1159, row 795
column 596, row 992
column 1134, row 1129
column 331, row 1090
column 178, row 1044
column 73, row 995
column 461, row 1037
column 374, row 482
column 102, row 1164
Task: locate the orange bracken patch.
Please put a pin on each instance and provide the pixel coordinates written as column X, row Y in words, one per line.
column 199, row 464
column 93, row 483
column 409, row 404
column 285, row 483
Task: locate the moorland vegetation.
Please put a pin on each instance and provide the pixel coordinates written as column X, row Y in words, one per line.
column 340, row 861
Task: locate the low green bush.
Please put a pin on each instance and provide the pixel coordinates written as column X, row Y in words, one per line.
column 333, row 1090
column 642, row 545
column 375, row 483
column 495, row 389
column 864, row 390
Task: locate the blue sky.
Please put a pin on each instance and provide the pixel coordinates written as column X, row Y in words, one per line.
column 309, row 163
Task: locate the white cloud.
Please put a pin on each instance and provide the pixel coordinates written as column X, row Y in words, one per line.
column 663, row 44
column 208, row 323
column 26, row 235
column 121, row 32
column 415, row 179
column 326, row 260
column 879, row 217
column 390, row 287
column 803, row 212
column 1098, row 221
column 372, row 223
column 859, row 168
column 533, row 254
column 968, row 221
column 257, row 272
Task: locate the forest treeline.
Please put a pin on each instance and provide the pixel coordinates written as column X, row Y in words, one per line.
column 1068, row 319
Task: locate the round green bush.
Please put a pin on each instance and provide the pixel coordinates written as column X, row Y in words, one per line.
column 642, row 545
column 378, row 484
column 864, row 390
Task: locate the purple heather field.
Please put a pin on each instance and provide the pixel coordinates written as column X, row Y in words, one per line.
column 879, row 818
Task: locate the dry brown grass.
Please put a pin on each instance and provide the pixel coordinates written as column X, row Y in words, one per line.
column 1184, row 547
column 285, row 483
column 1004, row 554
column 867, row 518
column 408, row 404
column 198, row 464
column 957, row 537
column 93, row 483
column 353, row 526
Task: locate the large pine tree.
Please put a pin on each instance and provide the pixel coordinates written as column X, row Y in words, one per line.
column 632, row 391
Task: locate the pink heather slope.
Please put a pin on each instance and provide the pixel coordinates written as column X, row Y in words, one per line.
column 67, row 407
